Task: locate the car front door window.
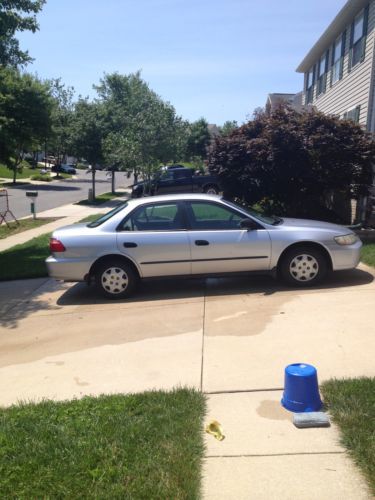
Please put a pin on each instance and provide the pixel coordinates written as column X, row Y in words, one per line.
column 211, row 216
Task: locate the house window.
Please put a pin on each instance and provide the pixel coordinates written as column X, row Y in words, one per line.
column 358, row 39
column 337, row 59
column 353, row 114
column 322, row 76
column 310, row 86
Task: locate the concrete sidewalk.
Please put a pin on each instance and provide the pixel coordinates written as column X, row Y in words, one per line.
column 70, row 214
column 230, row 338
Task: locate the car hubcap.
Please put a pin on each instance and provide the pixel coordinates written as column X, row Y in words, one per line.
column 114, row 280
column 304, row 267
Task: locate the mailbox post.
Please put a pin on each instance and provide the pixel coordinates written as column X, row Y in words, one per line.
column 33, row 196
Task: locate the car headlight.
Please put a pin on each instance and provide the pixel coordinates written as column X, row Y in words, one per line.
column 347, row 239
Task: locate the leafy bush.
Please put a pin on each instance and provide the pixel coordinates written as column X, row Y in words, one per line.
column 41, row 177
column 297, row 164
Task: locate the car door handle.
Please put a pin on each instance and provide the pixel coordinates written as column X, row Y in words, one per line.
column 129, row 244
column 201, row 243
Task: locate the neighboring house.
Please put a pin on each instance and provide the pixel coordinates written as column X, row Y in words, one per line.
column 213, row 130
column 275, row 100
column 340, row 68
column 340, row 71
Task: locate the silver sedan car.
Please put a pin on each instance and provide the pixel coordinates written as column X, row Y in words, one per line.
column 196, row 235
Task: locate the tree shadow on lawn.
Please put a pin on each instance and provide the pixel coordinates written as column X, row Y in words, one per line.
column 173, row 288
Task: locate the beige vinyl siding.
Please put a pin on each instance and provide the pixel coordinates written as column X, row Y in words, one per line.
column 354, row 89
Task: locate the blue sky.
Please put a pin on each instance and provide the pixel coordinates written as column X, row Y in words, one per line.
column 217, row 59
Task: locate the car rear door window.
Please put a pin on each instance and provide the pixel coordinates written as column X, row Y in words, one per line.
column 155, row 217
column 212, row 216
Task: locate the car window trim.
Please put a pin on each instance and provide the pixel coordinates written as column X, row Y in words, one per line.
column 179, row 203
column 231, row 209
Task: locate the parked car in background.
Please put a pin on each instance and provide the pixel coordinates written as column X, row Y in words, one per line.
column 176, row 179
column 196, row 235
column 64, row 168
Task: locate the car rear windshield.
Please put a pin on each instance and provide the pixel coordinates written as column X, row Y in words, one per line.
column 108, row 215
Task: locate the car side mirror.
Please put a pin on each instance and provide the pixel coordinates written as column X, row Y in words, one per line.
column 248, row 224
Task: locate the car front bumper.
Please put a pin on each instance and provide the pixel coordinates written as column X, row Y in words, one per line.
column 346, row 256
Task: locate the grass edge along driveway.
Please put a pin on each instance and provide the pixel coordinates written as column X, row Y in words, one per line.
column 351, row 403
column 27, row 260
column 147, row 445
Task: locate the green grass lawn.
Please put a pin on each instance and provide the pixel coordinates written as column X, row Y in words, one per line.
column 26, row 260
column 136, row 446
column 351, row 403
column 101, row 198
column 23, row 225
column 368, row 254
column 26, row 172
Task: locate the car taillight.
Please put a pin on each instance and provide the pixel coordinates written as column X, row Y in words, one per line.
column 56, row 245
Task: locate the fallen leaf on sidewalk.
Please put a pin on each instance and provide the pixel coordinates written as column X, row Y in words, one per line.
column 214, row 428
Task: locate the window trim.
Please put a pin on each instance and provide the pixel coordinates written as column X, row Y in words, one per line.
column 355, row 109
column 310, row 89
column 361, row 41
column 221, row 205
column 340, row 60
column 322, row 78
column 178, row 203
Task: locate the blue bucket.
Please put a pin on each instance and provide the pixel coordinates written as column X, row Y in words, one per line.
column 301, row 391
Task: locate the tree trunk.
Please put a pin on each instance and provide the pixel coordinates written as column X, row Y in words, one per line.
column 93, row 182
column 14, row 173
column 113, row 182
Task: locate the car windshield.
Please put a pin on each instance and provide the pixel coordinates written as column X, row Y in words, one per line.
column 105, row 217
column 267, row 219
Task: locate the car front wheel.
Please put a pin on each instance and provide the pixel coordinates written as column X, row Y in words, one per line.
column 116, row 279
column 303, row 266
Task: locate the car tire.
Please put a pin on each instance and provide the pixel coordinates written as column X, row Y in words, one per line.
column 211, row 189
column 115, row 279
column 303, row 266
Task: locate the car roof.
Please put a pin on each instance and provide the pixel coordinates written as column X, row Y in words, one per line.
column 175, row 197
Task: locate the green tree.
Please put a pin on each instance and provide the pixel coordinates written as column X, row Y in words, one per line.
column 16, row 16
column 141, row 130
column 228, row 127
column 87, row 134
column 198, row 139
column 62, row 117
column 25, row 116
column 295, row 164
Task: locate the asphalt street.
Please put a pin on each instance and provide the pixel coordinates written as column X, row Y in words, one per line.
column 57, row 193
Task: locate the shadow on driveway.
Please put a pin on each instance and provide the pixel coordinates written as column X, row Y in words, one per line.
column 170, row 289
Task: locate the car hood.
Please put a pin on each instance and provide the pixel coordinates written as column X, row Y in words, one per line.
column 318, row 224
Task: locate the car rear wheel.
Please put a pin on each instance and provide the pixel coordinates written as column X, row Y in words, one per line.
column 303, row 266
column 116, row 279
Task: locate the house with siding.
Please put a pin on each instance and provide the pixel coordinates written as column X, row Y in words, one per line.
column 275, row 100
column 340, row 68
column 339, row 71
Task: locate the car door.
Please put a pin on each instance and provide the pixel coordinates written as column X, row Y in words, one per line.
column 220, row 245
column 165, row 183
column 154, row 236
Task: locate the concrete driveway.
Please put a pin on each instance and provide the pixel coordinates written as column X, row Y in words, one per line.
column 230, row 338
